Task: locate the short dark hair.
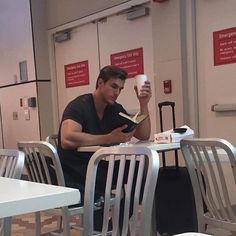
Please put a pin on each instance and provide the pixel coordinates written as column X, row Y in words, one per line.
column 109, row 72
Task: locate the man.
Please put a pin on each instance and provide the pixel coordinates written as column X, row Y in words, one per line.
column 92, row 119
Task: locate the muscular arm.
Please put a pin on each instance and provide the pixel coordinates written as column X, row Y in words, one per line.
column 143, row 130
column 73, row 137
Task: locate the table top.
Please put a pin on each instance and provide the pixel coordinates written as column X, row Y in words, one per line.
column 154, row 146
column 20, row 197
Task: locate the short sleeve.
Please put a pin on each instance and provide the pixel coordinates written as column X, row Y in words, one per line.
column 76, row 110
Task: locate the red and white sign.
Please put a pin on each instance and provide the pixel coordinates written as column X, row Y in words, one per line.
column 224, row 46
column 131, row 61
column 76, row 74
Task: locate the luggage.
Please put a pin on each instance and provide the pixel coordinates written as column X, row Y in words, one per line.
column 175, row 205
column 174, row 198
column 161, row 105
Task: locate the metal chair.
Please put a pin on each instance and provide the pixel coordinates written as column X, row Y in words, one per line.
column 53, row 139
column 11, row 166
column 43, row 166
column 192, row 234
column 142, row 175
column 209, row 177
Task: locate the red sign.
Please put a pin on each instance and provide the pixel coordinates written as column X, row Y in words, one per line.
column 76, row 74
column 224, row 46
column 131, row 61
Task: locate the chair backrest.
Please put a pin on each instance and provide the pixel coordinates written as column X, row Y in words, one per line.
column 137, row 190
column 210, row 163
column 42, row 162
column 11, row 163
column 53, row 139
column 11, row 166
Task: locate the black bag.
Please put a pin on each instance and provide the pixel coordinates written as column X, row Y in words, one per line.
column 175, row 205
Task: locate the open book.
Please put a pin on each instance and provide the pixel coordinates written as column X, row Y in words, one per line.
column 131, row 121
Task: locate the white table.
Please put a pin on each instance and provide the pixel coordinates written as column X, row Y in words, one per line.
column 151, row 145
column 20, row 197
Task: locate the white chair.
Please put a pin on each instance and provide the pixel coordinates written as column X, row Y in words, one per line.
column 143, row 162
column 43, row 166
column 209, row 181
column 11, row 166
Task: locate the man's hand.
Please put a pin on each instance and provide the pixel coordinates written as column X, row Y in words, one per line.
column 143, row 130
column 118, row 136
column 145, row 93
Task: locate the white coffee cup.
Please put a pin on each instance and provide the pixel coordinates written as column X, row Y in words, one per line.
column 140, row 81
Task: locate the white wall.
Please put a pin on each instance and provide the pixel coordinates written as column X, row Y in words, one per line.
column 16, row 45
column 60, row 12
column 16, row 40
column 168, row 58
column 42, row 66
column 183, row 42
column 216, row 83
column 39, row 25
column 20, row 129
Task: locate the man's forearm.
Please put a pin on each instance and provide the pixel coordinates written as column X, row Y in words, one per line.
column 80, row 139
column 143, row 130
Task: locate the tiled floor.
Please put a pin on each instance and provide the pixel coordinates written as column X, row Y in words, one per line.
column 219, row 232
column 23, row 225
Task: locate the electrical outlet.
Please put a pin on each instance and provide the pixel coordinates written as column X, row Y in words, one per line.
column 15, row 115
column 27, row 114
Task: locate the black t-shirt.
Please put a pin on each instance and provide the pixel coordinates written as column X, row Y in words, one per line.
column 82, row 110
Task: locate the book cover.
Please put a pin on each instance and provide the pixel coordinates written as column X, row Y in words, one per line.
column 131, row 121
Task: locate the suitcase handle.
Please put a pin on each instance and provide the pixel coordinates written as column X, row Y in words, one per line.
column 166, row 103
column 172, row 104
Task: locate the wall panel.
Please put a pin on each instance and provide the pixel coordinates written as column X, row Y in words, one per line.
column 21, row 129
column 82, row 46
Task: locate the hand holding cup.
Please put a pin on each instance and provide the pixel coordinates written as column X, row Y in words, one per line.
column 140, row 81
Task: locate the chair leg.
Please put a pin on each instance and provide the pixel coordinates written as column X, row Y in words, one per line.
column 37, row 223
column 59, row 223
column 153, row 221
column 81, row 223
column 1, row 227
column 66, row 221
column 7, row 226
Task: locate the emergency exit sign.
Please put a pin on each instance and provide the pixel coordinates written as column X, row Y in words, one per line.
column 131, row 61
column 76, row 74
column 224, row 46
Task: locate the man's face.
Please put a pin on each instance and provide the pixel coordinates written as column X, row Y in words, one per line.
column 111, row 89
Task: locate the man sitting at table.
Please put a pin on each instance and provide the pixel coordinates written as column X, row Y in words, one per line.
column 92, row 119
